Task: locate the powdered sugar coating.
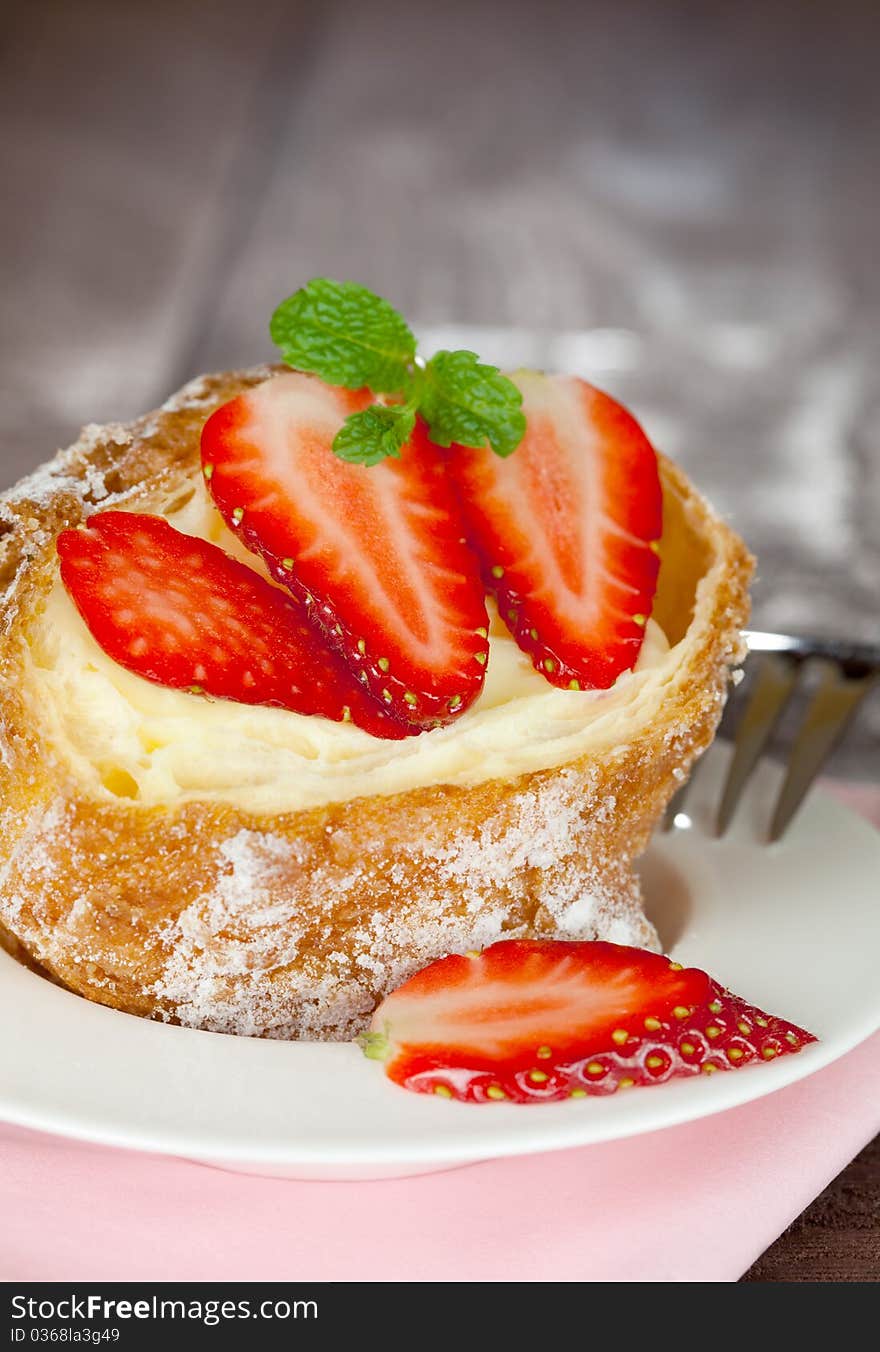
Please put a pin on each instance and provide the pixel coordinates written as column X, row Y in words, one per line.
column 235, row 956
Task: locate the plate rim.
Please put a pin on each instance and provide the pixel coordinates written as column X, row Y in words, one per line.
column 460, row 1150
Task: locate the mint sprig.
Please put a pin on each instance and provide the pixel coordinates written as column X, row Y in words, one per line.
column 349, row 336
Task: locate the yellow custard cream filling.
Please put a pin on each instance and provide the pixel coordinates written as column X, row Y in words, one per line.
column 130, row 738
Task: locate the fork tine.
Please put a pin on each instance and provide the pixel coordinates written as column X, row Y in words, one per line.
column 774, row 682
column 830, row 711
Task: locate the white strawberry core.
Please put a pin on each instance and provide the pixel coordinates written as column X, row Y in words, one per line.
column 486, row 1017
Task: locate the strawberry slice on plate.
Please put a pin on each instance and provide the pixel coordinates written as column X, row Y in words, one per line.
column 181, row 613
column 376, row 554
column 566, row 530
column 532, row 1021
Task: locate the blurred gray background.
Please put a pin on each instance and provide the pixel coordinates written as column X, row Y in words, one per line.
column 679, row 200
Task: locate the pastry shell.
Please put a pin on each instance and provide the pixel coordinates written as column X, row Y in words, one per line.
column 295, row 925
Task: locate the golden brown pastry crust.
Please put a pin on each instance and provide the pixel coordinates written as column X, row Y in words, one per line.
column 294, row 925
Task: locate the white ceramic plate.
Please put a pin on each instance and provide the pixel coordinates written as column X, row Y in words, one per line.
column 794, row 927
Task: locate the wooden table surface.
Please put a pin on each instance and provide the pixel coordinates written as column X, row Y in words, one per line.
column 680, row 200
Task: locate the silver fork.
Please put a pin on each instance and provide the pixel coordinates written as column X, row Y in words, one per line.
column 846, row 673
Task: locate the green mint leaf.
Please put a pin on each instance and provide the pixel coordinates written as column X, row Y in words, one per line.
column 380, row 431
column 466, row 401
column 345, row 334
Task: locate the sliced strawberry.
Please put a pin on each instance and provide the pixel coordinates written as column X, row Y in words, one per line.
column 565, row 529
column 178, row 611
column 375, row 554
column 532, row 1021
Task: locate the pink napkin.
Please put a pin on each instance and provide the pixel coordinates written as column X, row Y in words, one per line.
column 698, row 1202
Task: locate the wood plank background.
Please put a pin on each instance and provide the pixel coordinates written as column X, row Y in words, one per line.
column 680, row 200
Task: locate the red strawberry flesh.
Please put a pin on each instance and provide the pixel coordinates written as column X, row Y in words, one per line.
column 565, row 529
column 180, row 612
column 538, row 1020
column 375, row 554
